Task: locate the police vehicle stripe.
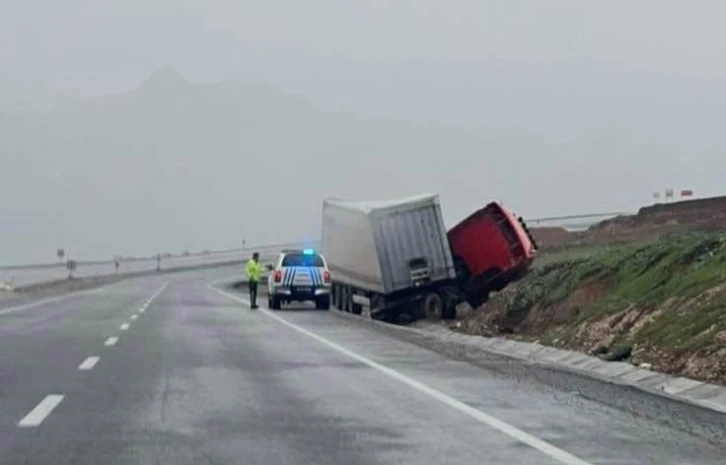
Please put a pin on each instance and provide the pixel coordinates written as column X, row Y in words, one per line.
column 289, row 274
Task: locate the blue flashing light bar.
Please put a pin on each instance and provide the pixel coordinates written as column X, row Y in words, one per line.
column 308, row 252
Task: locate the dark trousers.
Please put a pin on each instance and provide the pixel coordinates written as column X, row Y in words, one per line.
column 253, row 293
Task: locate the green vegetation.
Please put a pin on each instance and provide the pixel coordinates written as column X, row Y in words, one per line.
column 666, row 299
column 570, row 254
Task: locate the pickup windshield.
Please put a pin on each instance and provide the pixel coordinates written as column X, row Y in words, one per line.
column 299, row 259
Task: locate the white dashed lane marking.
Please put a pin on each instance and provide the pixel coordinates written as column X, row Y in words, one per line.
column 50, row 402
column 89, row 363
column 41, row 411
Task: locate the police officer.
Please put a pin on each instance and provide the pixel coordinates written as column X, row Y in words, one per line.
column 253, row 277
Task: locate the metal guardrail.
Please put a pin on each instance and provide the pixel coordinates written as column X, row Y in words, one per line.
column 575, row 217
column 22, row 276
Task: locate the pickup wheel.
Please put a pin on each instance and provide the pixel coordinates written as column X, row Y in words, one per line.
column 323, row 303
column 274, row 303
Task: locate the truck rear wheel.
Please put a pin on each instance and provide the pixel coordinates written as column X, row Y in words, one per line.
column 274, row 303
column 449, row 310
column 432, row 307
column 335, row 295
column 351, row 306
column 344, row 299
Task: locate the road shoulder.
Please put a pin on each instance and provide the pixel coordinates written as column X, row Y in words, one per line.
column 501, row 357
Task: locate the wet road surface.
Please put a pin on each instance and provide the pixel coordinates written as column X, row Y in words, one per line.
column 160, row 371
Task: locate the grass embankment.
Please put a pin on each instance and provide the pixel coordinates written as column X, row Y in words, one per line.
column 662, row 303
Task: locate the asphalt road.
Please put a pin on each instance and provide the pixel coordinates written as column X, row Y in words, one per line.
column 198, row 378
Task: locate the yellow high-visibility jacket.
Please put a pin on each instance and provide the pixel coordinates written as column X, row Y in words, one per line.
column 253, row 270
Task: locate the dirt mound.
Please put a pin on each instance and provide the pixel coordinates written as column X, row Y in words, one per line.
column 663, row 303
column 650, row 222
column 548, row 238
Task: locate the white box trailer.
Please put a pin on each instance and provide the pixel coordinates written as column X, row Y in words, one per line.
column 392, row 256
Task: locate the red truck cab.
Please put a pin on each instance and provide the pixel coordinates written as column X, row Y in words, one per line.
column 491, row 248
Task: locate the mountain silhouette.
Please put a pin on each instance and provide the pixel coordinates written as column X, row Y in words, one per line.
column 164, row 80
column 172, row 165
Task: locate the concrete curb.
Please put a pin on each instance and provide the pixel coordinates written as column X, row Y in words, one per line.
column 704, row 395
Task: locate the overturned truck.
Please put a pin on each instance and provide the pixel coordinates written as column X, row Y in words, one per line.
column 392, row 257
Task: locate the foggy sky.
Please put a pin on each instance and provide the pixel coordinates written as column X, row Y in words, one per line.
column 555, row 107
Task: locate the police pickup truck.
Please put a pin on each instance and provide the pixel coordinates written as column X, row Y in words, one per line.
column 299, row 276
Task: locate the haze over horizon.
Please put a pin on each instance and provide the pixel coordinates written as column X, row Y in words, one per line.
column 141, row 128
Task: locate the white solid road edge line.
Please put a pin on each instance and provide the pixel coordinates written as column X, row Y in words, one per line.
column 111, row 341
column 41, row 411
column 89, row 363
column 536, row 443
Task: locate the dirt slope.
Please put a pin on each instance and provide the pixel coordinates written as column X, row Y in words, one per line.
column 662, row 303
column 650, row 222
